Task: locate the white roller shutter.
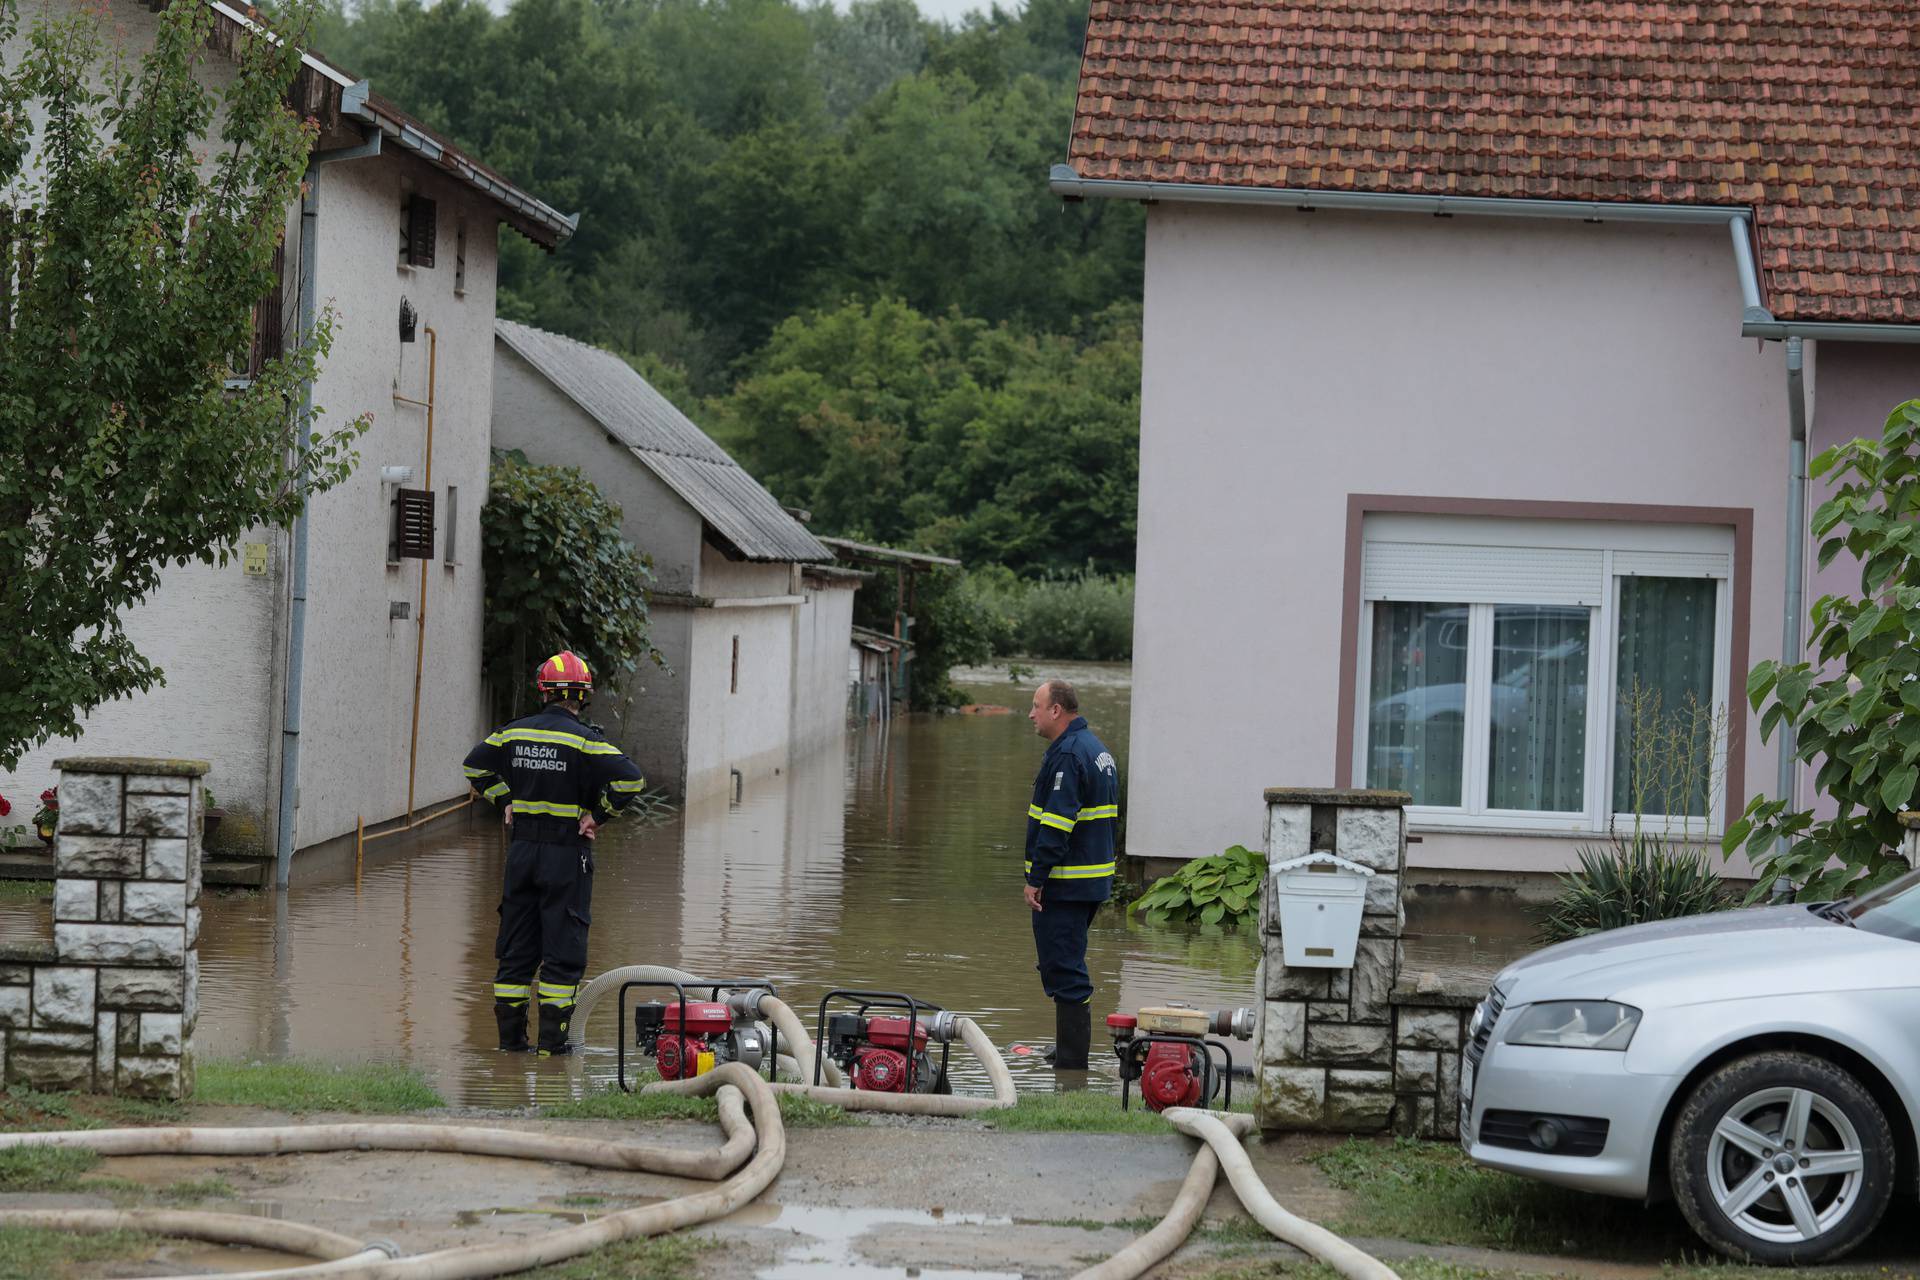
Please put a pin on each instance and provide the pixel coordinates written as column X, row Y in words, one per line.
column 1483, row 574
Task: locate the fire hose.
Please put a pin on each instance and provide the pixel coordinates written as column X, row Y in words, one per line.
column 745, row 1163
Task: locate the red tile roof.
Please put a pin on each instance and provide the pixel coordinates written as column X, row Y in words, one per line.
column 1809, row 112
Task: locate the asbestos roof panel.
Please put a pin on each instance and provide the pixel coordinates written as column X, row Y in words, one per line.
column 668, row 443
column 1810, row 113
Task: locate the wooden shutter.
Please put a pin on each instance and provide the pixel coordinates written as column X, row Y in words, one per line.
column 422, row 231
column 269, row 318
column 413, row 524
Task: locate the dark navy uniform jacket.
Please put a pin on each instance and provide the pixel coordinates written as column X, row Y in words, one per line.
column 1071, row 819
column 551, row 766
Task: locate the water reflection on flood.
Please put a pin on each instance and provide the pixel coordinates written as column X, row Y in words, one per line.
column 891, row 861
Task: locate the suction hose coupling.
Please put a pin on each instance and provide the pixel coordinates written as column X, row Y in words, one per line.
column 1237, row 1023
column 387, row 1247
column 746, row 1003
column 943, row 1027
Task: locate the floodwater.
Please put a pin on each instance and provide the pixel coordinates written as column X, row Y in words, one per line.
column 889, row 861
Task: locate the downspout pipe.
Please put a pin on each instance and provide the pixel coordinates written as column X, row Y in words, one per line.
column 1791, row 641
column 297, row 605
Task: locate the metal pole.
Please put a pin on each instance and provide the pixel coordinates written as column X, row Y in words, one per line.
column 420, row 633
column 1790, row 637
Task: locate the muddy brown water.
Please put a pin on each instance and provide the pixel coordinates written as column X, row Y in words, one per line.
column 890, row 860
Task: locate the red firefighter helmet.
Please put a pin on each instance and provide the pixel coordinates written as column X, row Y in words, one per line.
column 564, row 672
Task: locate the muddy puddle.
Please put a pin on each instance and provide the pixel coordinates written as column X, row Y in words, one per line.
column 889, row 860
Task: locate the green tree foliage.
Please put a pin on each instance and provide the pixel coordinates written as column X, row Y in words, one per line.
column 1857, row 712
column 829, row 231
column 1081, row 616
column 963, row 438
column 559, row 576
column 950, row 628
column 121, row 451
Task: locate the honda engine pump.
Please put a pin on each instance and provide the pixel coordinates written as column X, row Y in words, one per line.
column 691, row 1038
column 1168, row 1052
column 884, row 1053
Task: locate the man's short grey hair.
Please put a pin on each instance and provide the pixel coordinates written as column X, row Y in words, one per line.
column 1061, row 694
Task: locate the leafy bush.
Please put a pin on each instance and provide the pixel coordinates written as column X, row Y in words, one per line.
column 1632, row 880
column 1223, row 889
column 1855, row 710
column 559, row 576
column 1083, row 617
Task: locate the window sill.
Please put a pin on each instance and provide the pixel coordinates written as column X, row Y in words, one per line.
column 1420, row 827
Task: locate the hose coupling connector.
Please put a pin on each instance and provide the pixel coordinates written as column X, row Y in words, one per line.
column 944, row 1027
column 387, row 1247
column 746, row 1003
column 1237, row 1023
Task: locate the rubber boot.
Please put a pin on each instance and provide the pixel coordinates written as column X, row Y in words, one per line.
column 553, row 1030
column 1072, row 1034
column 511, row 1016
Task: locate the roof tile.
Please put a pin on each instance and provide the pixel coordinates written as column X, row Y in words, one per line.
column 1809, row 111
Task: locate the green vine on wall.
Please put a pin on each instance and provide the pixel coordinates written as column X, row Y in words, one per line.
column 559, row 576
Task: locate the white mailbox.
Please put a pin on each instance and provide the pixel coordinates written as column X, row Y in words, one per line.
column 1319, row 900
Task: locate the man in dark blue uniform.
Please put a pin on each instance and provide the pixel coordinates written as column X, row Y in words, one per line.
column 1070, row 827
column 559, row 780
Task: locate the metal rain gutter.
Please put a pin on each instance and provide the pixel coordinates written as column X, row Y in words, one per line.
column 356, row 104
column 1790, row 639
column 297, row 604
column 1755, row 320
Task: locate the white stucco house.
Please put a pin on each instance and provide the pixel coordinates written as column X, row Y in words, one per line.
column 1485, row 345
column 296, row 670
column 753, row 620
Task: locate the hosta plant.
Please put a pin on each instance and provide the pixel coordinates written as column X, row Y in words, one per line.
column 1223, row 889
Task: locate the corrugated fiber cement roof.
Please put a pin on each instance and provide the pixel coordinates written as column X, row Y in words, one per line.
column 668, row 443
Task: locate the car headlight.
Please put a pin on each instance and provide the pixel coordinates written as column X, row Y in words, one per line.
column 1575, row 1024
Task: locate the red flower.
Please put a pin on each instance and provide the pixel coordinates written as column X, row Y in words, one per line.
column 5, row 808
column 50, row 797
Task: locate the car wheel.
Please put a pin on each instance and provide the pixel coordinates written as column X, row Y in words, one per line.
column 1782, row 1158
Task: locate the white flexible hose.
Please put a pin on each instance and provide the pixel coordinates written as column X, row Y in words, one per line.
column 793, row 1033
column 1314, row 1240
column 476, row 1262
column 216, row 1228
column 516, row 1144
column 1171, row 1231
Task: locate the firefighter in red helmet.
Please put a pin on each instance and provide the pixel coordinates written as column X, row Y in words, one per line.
column 559, row 780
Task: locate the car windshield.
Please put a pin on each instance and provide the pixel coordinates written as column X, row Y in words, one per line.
column 1892, row 909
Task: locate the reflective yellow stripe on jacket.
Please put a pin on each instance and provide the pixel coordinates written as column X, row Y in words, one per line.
column 1054, row 820
column 547, row 808
column 1086, row 871
column 585, row 745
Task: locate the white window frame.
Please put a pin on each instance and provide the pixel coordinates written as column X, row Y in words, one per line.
column 1713, row 543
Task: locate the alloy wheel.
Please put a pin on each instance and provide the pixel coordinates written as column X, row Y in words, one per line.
column 1785, row 1165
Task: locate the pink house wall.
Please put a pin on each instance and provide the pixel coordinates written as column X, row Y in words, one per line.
column 1293, row 360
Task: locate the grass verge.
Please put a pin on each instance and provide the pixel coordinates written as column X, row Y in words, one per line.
column 45, row 1168
column 24, row 1110
column 35, row 1253
column 26, row 891
column 796, row 1112
column 1085, row 1112
column 1430, row 1193
column 1436, row 1269
column 371, row 1088
column 659, row 1258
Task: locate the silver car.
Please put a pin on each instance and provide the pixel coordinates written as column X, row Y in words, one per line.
column 1762, row 1066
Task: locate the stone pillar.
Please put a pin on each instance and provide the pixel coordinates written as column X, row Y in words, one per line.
column 110, row 1006
column 1326, row 1039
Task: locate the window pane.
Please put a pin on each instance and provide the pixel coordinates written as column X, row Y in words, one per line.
column 1537, row 750
column 1664, row 719
column 1416, row 726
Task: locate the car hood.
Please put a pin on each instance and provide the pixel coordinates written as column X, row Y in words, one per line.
column 1727, row 956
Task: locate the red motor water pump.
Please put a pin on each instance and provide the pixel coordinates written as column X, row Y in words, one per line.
column 888, row 1053
column 687, row 1038
column 1167, row 1049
